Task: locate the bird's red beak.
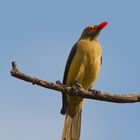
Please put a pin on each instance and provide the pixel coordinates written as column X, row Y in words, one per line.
column 102, row 25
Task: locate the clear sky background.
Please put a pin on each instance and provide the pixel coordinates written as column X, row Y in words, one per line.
column 39, row 34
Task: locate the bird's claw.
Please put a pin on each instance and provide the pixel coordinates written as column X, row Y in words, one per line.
column 76, row 86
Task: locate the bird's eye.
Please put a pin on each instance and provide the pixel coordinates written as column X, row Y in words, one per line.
column 91, row 27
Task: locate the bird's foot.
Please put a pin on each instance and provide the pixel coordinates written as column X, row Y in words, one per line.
column 96, row 92
column 76, row 86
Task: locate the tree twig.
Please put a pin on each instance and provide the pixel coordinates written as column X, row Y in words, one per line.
column 91, row 94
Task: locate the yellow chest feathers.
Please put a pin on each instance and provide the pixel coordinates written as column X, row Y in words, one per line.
column 91, row 52
column 85, row 65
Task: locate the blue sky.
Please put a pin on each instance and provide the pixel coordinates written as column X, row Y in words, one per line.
column 39, row 34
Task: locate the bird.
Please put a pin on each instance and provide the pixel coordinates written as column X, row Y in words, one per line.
column 82, row 68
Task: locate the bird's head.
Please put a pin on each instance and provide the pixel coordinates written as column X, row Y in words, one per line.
column 92, row 31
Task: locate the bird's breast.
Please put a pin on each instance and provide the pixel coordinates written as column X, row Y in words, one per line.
column 92, row 58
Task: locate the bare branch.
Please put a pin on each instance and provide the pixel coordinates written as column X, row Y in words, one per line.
column 91, row 94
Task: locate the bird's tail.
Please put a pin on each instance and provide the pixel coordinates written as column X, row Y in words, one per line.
column 72, row 126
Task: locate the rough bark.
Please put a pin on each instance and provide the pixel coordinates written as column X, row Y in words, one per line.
column 91, row 94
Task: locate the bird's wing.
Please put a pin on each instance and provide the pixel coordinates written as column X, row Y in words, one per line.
column 69, row 60
column 101, row 60
column 73, row 71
